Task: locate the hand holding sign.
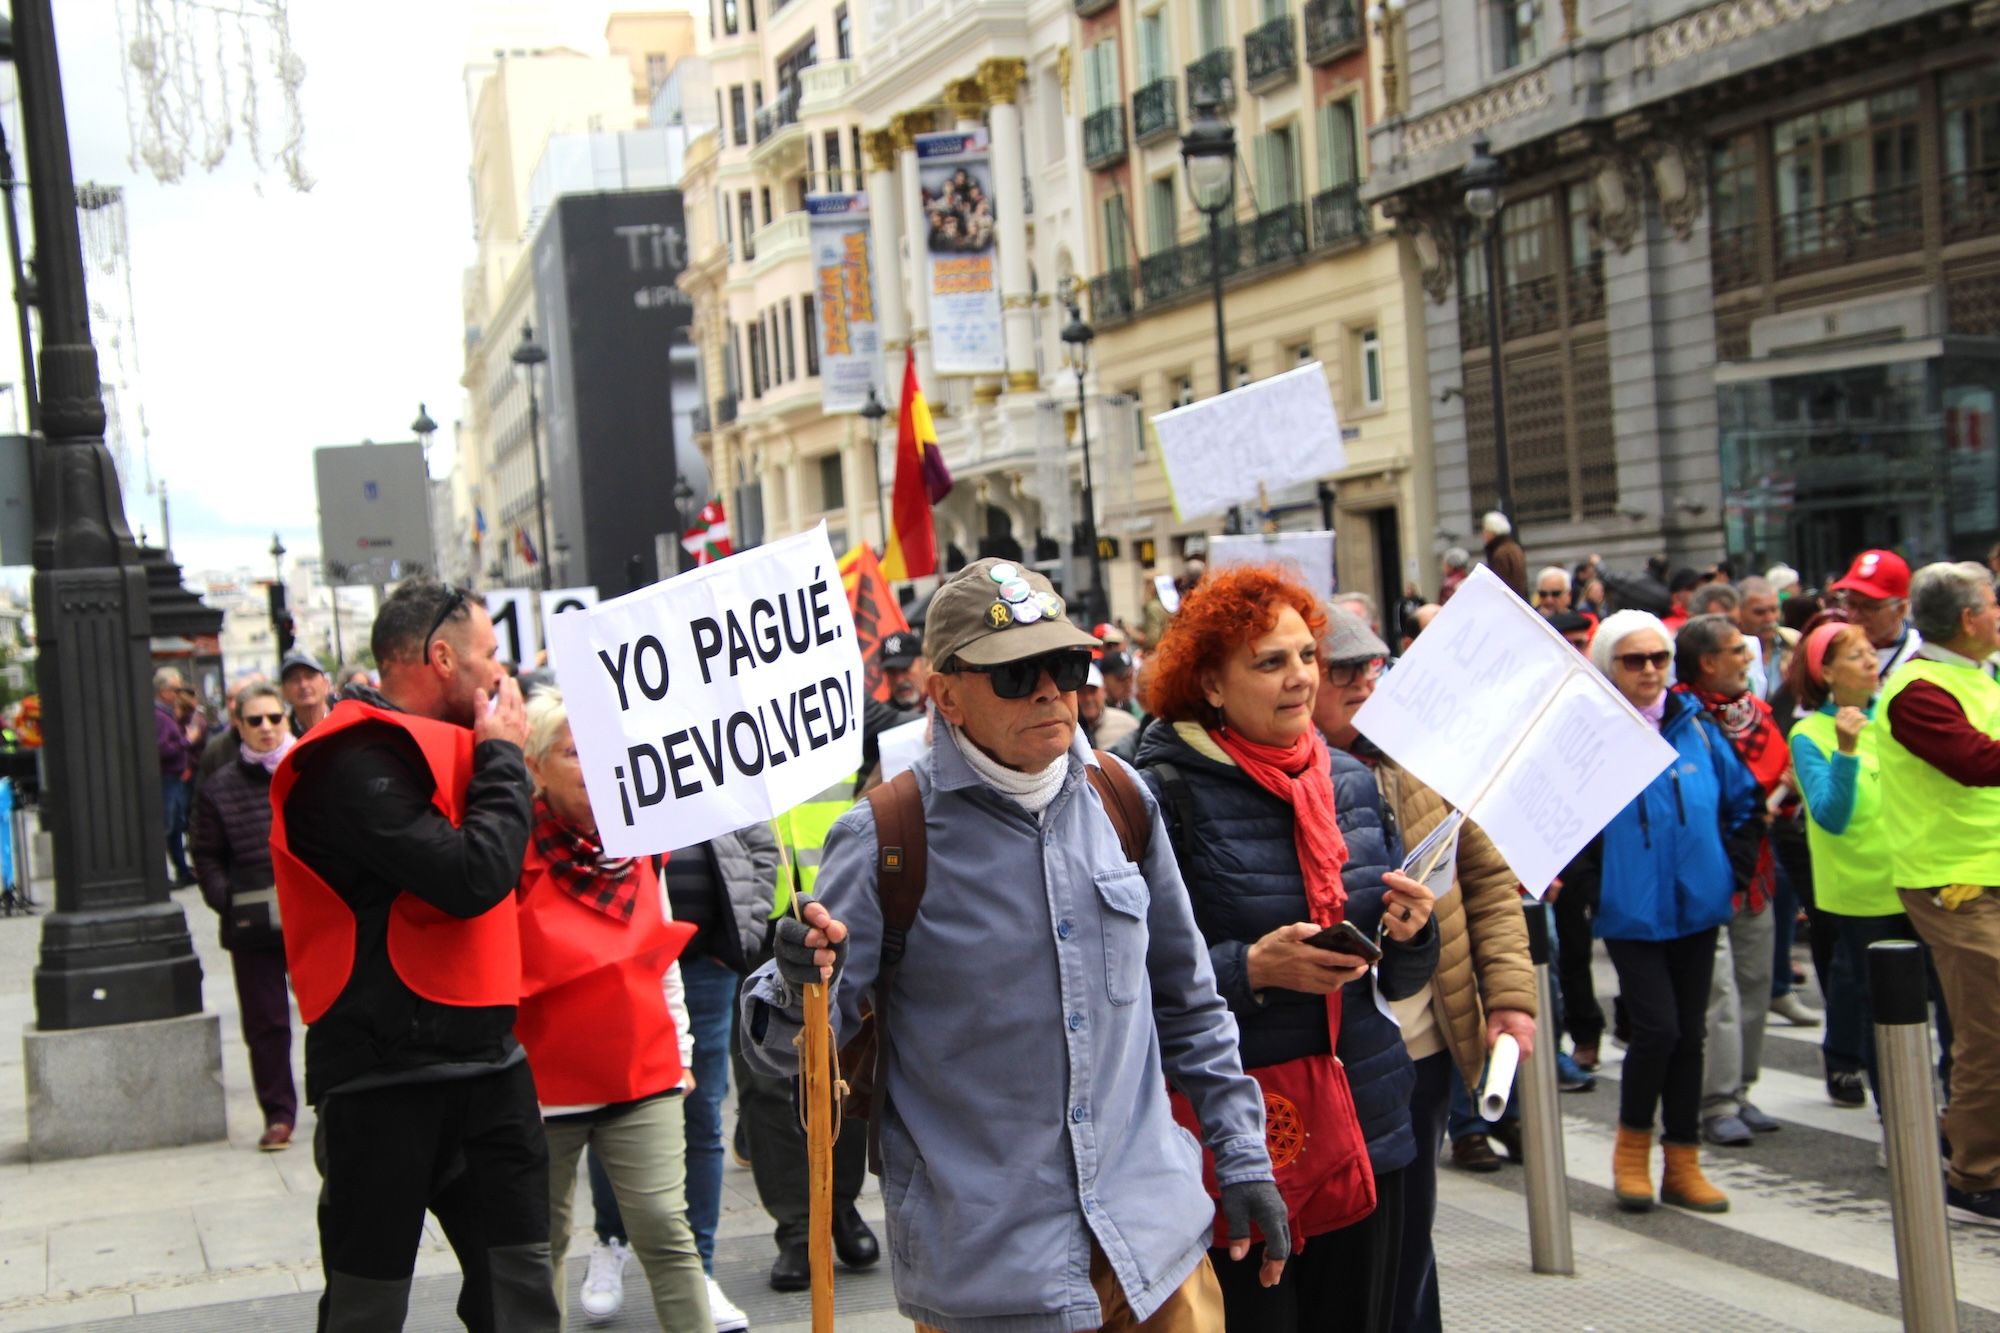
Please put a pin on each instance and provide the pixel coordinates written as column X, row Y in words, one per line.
column 713, row 700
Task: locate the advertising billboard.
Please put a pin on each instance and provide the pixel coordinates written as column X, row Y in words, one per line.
column 374, row 513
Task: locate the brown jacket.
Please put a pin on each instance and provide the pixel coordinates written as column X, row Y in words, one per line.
column 1482, row 936
column 1505, row 557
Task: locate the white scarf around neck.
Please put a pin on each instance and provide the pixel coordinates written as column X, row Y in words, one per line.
column 1034, row 792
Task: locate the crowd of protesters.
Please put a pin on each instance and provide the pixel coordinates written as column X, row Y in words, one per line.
column 1181, row 853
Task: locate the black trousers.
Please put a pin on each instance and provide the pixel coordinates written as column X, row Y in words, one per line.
column 769, row 1107
column 264, row 1003
column 471, row 1151
column 1416, row 1304
column 1583, row 1017
column 1343, row 1280
column 1663, row 989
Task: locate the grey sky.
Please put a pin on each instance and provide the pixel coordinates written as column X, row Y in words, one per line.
column 270, row 322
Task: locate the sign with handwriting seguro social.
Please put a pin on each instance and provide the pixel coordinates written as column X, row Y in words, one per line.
column 1514, row 727
column 713, row 700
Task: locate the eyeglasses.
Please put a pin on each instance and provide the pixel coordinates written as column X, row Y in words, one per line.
column 1342, row 674
column 1640, row 661
column 1544, row 593
column 1067, row 667
column 454, row 599
column 263, row 719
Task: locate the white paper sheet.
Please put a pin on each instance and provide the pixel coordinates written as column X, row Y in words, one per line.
column 1308, row 555
column 1276, row 432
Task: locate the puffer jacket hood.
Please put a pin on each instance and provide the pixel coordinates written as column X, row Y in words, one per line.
column 1235, row 844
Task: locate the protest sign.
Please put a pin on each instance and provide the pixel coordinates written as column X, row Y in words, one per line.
column 716, row 699
column 1308, row 556
column 555, row 601
column 903, row 746
column 1514, row 727
column 1168, row 592
column 956, row 178
column 515, row 625
column 1276, row 432
column 850, row 345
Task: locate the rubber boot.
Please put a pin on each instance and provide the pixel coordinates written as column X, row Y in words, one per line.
column 1632, row 1169
column 1684, row 1186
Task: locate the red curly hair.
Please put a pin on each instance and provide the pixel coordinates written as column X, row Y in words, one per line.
column 1226, row 610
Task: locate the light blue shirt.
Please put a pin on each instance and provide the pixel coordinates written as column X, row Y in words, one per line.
column 1048, row 991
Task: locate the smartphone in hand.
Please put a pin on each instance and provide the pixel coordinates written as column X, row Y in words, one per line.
column 1346, row 937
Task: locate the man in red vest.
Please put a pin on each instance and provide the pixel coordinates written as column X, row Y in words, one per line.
column 400, row 824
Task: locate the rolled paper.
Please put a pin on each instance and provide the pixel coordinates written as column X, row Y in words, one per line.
column 1500, row 1067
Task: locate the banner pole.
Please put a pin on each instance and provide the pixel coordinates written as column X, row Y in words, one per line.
column 816, row 1100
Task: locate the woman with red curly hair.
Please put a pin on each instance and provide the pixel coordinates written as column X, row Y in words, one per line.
column 1282, row 843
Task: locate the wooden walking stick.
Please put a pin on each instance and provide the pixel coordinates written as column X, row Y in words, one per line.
column 816, row 1110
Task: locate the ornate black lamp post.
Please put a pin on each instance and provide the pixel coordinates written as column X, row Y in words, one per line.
column 529, row 355
column 1208, row 159
column 1484, row 181
column 1078, row 336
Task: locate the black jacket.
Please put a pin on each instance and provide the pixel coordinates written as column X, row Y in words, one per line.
column 361, row 817
column 1240, row 862
column 230, row 839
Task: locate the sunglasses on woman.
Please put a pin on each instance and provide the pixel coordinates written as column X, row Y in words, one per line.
column 1640, row 661
column 263, row 719
column 1067, row 667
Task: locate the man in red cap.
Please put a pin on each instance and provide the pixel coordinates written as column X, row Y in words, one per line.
column 1876, row 593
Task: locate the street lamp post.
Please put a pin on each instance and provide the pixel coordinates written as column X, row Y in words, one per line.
column 872, row 412
column 424, row 429
column 1078, row 336
column 529, row 355
column 1484, row 181
column 683, row 510
column 1208, row 158
column 116, row 949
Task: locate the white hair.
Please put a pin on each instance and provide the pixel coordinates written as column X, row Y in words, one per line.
column 1620, row 626
column 166, row 678
column 547, row 719
column 1495, row 524
column 1781, row 577
column 1457, row 558
column 1556, row 570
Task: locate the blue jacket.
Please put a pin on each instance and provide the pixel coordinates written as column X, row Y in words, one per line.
column 1237, row 854
column 1049, row 990
column 1668, row 863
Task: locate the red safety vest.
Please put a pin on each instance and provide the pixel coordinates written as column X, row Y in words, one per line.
column 593, row 1015
column 470, row 963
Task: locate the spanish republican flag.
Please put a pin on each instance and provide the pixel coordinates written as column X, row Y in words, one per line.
column 921, row 481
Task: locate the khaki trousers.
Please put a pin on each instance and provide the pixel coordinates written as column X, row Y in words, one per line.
column 1195, row 1306
column 1965, row 944
column 644, row 1151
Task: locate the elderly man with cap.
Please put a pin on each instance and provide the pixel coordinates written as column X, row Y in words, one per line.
column 1032, row 1172
column 1103, row 725
column 308, row 693
column 1120, row 683
column 1875, row 592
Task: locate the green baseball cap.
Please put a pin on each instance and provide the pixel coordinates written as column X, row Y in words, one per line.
column 996, row 611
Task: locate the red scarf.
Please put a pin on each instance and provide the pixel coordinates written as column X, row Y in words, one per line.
column 1298, row 774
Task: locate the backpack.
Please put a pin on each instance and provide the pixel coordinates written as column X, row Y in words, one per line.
column 900, row 856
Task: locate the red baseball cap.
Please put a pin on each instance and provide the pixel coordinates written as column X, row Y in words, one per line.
column 1882, row 575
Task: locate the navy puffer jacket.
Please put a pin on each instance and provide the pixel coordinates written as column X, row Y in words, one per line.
column 1236, row 850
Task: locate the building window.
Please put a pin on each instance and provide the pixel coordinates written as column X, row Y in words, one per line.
column 795, row 62
column 764, row 198
column 1184, row 391
column 1338, row 158
column 831, row 165
column 739, row 117
column 1100, row 76
column 843, row 34
column 860, row 162
column 1302, row 355
column 1277, row 170
column 832, row 487
column 1371, row 368
column 1115, row 260
column 730, row 17
column 791, row 357
column 656, row 73
column 746, row 210
column 1520, row 24
column 1732, row 214
column 1154, row 49
column 1162, row 221
column 1847, row 178
column 750, row 10
column 808, row 327
column 1211, row 25
column 1239, row 374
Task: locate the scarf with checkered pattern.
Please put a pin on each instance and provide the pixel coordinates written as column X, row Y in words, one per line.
column 580, row 868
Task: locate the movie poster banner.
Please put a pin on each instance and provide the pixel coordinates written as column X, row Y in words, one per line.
column 850, row 346
column 956, row 175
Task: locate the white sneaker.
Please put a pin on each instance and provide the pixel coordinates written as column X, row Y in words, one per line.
column 604, row 1280
column 728, row 1318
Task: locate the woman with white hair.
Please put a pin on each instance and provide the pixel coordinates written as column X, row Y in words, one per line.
column 603, row 1023
column 1664, row 881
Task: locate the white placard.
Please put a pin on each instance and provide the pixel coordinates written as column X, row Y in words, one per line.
column 1169, row 591
column 716, row 699
column 1277, row 432
column 555, row 601
column 1513, row 726
column 515, row 625
column 1307, row 555
column 902, row 747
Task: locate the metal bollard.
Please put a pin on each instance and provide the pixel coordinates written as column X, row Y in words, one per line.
column 1896, row 981
column 1550, row 1248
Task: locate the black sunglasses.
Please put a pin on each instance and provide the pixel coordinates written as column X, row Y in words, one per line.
column 454, row 599
column 1067, row 667
column 263, row 719
column 1639, row 661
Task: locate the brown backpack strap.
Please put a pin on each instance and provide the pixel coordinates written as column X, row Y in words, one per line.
column 1119, row 791
column 900, row 859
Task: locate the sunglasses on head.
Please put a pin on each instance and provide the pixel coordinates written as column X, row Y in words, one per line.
column 454, row 599
column 263, row 719
column 1640, row 661
column 1067, row 667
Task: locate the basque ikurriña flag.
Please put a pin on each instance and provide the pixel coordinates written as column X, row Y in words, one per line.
column 922, row 481
column 708, row 540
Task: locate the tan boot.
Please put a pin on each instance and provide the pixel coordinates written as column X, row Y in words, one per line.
column 1632, row 1169
column 1683, row 1185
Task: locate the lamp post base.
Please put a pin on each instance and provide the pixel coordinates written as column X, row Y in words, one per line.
column 124, row 1087
column 120, row 965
